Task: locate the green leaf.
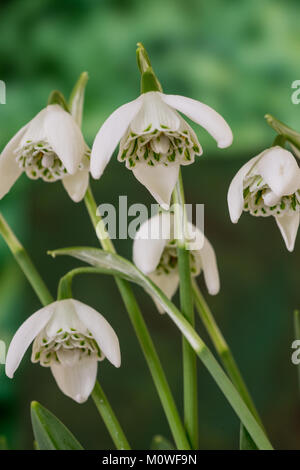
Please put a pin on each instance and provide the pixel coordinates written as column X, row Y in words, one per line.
column 246, row 442
column 161, row 443
column 110, row 263
column 49, row 432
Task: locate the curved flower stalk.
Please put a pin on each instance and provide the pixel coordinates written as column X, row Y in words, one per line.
column 50, row 147
column 269, row 185
column 155, row 254
column 69, row 337
column 154, row 139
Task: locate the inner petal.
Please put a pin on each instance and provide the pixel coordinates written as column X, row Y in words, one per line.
column 68, row 357
column 270, row 198
column 160, row 144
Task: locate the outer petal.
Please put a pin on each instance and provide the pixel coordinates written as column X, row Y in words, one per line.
column 210, row 268
column 204, row 116
column 280, row 170
column 65, row 137
column 101, row 330
column 150, row 241
column 35, row 128
column 77, row 184
column 154, row 114
column 9, row 169
column 288, row 226
column 168, row 283
column 159, row 180
column 76, row 381
column 235, row 196
column 24, row 336
column 110, row 134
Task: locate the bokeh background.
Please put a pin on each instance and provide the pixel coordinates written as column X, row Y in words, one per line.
column 239, row 57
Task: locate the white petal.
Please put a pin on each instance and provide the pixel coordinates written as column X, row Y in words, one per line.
column 103, row 333
column 76, row 185
column 110, row 134
column 168, row 283
column 24, row 336
column 160, row 180
column 210, row 268
column 155, row 114
column 288, row 226
column 204, row 116
column 270, row 198
column 280, row 171
column 68, row 357
column 65, row 137
column 76, row 381
column 35, row 128
column 9, row 169
column 150, row 241
column 235, row 196
column 64, row 318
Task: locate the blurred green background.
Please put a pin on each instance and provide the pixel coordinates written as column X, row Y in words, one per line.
column 239, row 57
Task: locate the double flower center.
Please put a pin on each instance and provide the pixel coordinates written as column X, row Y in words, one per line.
column 260, row 200
column 55, row 349
column 156, row 147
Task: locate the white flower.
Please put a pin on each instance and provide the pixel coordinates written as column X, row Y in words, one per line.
column 155, row 254
column 267, row 185
column 70, row 338
column 156, row 140
column 51, row 147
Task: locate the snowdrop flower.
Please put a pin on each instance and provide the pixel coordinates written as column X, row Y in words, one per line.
column 155, row 254
column 70, row 338
column 50, row 147
column 267, row 185
column 156, row 140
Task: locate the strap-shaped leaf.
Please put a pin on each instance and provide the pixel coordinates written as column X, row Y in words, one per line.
column 113, row 264
column 49, row 432
column 246, row 442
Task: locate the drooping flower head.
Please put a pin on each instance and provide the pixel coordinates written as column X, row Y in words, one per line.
column 154, row 139
column 50, row 147
column 69, row 337
column 269, row 185
column 155, row 254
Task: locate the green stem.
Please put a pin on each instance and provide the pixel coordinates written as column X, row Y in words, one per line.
column 111, row 264
column 223, row 349
column 109, row 418
column 25, row 263
column 187, row 308
column 46, row 298
column 142, row 334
